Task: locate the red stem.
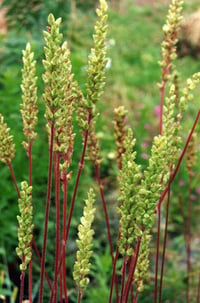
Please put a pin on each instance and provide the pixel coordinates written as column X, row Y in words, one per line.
column 162, row 93
column 39, row 258
column 81, row 164
column 46, row 213
column 157, row 255
column 64, row 237
column 136, row 296
column 131, row 271
column 164, row 246
column 123, row 278
column 57, row 200
column 188, row 238
column 30, row 184
column 198, row 290
column 97, row 169
column 79, row 296
column 179, row 161
column 13, row 178
column 21, row 286
column 113, row 279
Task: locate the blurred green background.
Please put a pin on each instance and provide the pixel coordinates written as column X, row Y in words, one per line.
column 135, row 35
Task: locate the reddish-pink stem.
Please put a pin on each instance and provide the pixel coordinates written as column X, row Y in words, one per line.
column 64, row 237
column 39, row 258
column 164, row 246
column 113, row 279
column 123, row 278
column 30, row 184
column 131, row 271
column 46, row 213
column 79, row 296
column 57, row 200
column 179, row 161
column 13, row 178
column 157, row 255
column 81, row 164
column 188, row 243
column 21, row 286
column 198, row 290
column 136, row 297
column 162, row 94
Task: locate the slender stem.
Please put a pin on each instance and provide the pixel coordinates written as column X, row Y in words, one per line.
column 198, row 290
column 188, row 237
column 131, row 271
column 123, row 278
column 136, row 297
column 39, row 258
column 164, row 246
column 13, row 178
column 157, row 256
column 79, row 296
column 179, row 161
column 97, row 169
column 81, row 164
column 21, row 286
column 30, row 184
column 64, row 237
column 46, row 213
column 57, row 200
column 113, row 279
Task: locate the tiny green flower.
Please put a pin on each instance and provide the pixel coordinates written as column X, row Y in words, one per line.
column 25, row 225
column 85, row 235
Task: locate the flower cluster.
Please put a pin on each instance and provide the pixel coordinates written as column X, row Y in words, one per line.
column 85, row 235
column 97, row 58
column 58, row 94
column 130, row 209
column 29, row 108
column 25, row 225
column 7, row 147
column 170, row 30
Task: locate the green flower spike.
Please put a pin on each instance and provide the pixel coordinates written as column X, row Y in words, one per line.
column 85, row 235
column 170, row 30
column 120, row 132
column 131, row 209
column 58, row 89
column 141, row 272
column 97, row 58
column 25, row 225
column 7, row 147
column 29, row 108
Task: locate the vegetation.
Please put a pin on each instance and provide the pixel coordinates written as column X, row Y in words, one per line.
column 150, row 169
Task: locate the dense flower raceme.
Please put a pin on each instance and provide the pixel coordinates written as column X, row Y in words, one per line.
column 29, row 108
column 7, row 147
column 84, row 243
column 25, row 225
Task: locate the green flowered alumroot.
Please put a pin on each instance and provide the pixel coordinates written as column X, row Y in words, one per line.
column 29, row 108
column 58, row 96
column 85, row 235
column 25, row 225
column 7, row 147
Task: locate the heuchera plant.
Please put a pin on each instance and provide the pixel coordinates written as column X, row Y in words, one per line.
column 141, row 192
